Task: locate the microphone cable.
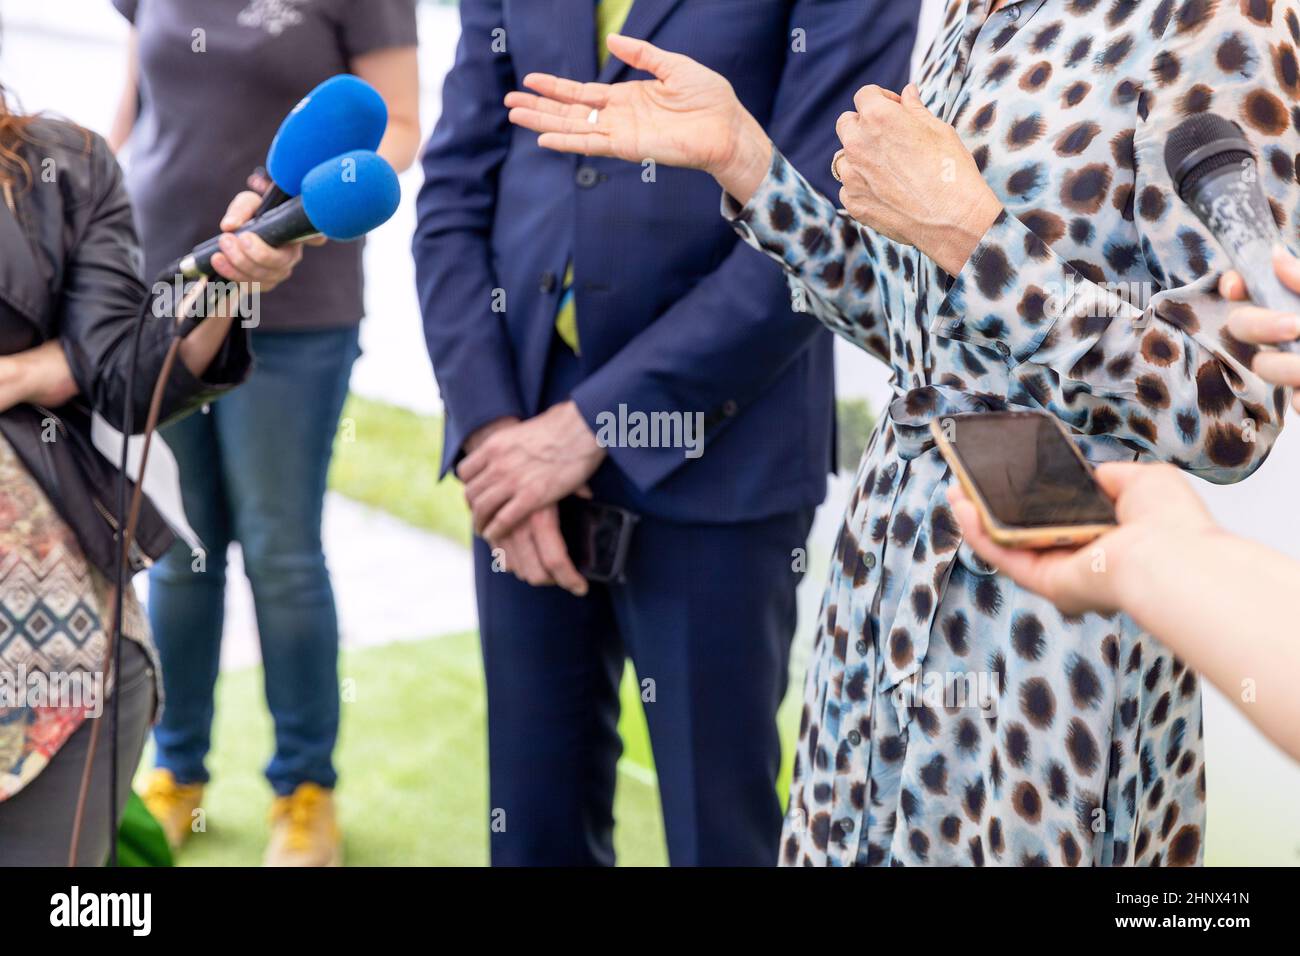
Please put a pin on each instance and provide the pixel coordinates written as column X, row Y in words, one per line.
column 126, row 519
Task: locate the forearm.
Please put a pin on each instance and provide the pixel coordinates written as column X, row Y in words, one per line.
column 1228, row 607
column 123, row 123
column 834, row 278
column 124, row 118
column 1036, row 309
column 40, row 376
column 395, row 73
column 213, row 358
column 467, row 340
column 200, row 347
column 400, row 144
column 750, row 158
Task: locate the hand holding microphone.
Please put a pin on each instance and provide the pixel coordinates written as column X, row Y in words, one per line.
column 342, row 196
column 1260, row 326
column 342, row 199
column 246, row 256
column 1215, row 171
column 330, row 135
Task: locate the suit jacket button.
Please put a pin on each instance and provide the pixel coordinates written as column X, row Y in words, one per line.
column 547, row 282
column 587, row 176
column 729, row 407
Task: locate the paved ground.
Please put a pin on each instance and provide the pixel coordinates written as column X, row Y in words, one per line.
column 392, row 582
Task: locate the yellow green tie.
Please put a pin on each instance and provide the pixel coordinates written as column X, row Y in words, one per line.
column 610, row 17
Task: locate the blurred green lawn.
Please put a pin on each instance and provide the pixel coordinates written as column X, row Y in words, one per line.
column 387, row 457
column 412, row 762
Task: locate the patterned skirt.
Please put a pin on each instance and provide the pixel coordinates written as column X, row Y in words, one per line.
column 53, row 605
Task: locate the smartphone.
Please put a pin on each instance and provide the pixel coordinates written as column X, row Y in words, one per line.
column 1030, row 483
column 598, row 537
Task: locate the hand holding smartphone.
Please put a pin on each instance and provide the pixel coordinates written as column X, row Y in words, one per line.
column 1027, row 479
column 598, row 537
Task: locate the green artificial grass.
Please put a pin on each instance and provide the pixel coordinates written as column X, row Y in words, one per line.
column 854, row 424
column 388, row 457
column 412, row 761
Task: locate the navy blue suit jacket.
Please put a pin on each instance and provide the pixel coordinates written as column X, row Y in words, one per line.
column 674, row 313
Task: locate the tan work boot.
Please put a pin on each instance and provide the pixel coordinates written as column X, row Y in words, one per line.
column 172, row 804
column 303, row 829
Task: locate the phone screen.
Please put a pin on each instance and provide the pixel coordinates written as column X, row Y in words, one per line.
column 1027, row 471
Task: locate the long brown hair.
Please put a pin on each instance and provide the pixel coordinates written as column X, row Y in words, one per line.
column 17, row 130
column 15, row 171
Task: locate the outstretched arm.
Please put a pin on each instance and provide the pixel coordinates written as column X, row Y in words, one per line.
column 128, row 101
column 1224, row 604
column 689, row 116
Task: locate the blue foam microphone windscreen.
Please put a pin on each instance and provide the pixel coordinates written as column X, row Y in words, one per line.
column 342, row 114
column 342, row 199
column 349, row 195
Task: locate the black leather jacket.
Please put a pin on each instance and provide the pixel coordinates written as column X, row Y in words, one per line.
column 69, row 270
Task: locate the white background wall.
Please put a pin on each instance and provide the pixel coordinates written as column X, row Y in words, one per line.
column 66, row 56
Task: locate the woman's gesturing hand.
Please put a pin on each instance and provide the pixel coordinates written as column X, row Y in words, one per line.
column 1267, row 327
column 687, row 116
column 907, row 175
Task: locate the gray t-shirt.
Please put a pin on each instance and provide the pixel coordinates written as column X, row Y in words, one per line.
column 216, row 79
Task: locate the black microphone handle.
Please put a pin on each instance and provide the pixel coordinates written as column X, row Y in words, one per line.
column 281, row 226
column 275, row 196
column 1232, row 206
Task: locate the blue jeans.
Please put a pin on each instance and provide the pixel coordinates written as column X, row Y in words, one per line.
column 253, row 469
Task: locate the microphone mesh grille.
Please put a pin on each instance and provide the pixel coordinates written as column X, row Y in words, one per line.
column 1193, row 134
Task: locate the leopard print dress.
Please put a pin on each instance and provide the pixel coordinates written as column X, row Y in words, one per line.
column 1087, row 746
